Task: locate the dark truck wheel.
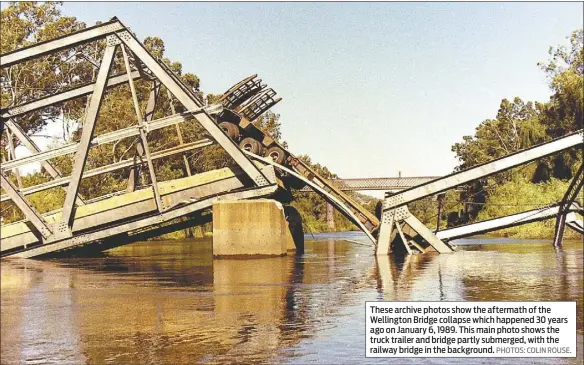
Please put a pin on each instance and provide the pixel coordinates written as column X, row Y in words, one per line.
column 276, row 154
column 230, row 129
column 251, row 145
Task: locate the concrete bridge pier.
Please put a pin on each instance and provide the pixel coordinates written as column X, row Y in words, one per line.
column 255, row 228
column 330, row 216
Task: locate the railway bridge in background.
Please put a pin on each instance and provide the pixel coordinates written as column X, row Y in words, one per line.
column 258, row 165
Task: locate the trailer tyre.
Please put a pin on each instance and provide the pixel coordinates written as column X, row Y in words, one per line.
column 251, row 145
column 230, row 129
column 276, row 154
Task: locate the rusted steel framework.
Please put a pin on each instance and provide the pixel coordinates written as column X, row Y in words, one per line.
column 237, row 120
column 396, row 214
column 380, row 183
column 228, row 124
column 63, row 229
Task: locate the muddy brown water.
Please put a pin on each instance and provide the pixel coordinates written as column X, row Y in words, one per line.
column 169, row 302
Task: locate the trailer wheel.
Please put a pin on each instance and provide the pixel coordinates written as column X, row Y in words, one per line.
column 230, row 129
column 276, row 154
column 251, row 145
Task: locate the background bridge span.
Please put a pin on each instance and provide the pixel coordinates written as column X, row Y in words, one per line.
column 381, row 183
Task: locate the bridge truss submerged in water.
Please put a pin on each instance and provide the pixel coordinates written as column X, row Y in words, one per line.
column 261, row 166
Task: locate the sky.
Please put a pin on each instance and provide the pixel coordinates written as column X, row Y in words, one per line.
column 369, row 89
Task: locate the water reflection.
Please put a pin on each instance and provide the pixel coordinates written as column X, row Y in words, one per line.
column 171, row 303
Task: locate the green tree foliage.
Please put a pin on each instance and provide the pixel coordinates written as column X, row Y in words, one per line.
column 519, row 125
column 519, row 196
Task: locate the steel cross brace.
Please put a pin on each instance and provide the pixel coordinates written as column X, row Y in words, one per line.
column 41, row 227
column 569, row 197
column 397, row 218
column 32, row 147
column 143, row 134
column 62, row 181
column 63, row 228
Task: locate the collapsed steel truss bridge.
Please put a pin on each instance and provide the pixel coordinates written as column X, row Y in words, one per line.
column 260, row 166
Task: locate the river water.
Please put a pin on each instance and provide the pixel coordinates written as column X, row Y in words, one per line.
column 169, row 302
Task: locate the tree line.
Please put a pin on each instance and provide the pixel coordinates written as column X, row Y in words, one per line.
column 518, row 124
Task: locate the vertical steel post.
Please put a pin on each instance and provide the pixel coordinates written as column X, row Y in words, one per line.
column 64, row 226
column 13, row 157
column 179, row 133
column 148, row 115
column 403, row 238
column 440, row 199
column 384, row 237
column 330, row 216
column 143, row 135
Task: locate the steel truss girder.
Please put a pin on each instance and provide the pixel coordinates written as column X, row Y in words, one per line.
column 190, row 102
column 504, row 163
column 317, row 188
column 397, row 217
column 102, row 139
column 62, row 181
column 160, row 218
column 534, row 215
column 64, row 96
column 64, row 226
column 40, row 49
column 32, row 147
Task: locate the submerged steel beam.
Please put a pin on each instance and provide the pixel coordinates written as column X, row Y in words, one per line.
column 569, row 197
column 534, row 215
column 323, row 193
column 64, row 225
column 166, row 216
column 483, row 170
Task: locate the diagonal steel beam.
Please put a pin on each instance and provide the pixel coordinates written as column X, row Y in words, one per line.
column 57, row 44
column 143, row 135
column 62, row 97
column 12, row 156
column 28, row 210
column 86, row 136
column 32, row 147
column 489, row 168
column 192, row 103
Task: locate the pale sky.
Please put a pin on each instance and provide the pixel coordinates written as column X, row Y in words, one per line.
column 369, row 89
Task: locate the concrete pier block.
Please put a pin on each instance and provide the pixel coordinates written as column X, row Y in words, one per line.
column 250, row 227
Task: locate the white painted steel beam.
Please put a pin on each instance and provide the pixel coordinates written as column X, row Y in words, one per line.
column 534, row 215
column 486, row 169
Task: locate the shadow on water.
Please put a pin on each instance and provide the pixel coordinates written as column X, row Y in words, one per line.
column 170, row 302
